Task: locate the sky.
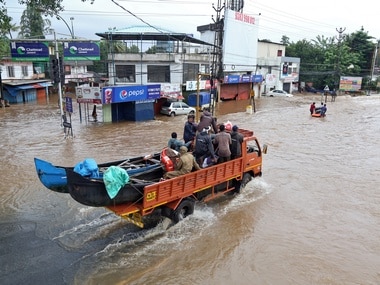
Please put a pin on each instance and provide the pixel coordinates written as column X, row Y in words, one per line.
column 297, row 20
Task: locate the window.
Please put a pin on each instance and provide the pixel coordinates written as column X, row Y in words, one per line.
column 11, row 71
column 279, row 52
column 126, row 73
column 190, row 72
column 24, row 70
column 159, row 73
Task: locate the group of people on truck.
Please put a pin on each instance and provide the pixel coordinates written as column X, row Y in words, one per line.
column 203, row 144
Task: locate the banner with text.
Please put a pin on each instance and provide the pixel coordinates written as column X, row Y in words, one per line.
column 22, row 51
column 119, row 94
column 81, row 51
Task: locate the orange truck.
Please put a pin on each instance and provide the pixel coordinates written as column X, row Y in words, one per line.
column 175, row 198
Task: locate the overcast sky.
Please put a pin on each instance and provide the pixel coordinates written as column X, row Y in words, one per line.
column 296, row 19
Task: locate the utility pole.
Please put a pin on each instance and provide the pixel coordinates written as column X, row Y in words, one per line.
column 2, row 103
column 340, row 39
column 60, row 77
column 377, row 46
column 217, row 62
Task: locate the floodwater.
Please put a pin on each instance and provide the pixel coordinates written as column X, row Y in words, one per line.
column 313, row 218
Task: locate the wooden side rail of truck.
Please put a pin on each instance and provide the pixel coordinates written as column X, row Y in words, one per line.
column 176, row 197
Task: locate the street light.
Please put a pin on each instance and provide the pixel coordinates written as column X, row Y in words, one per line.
column 72, row 27
column 71, row 30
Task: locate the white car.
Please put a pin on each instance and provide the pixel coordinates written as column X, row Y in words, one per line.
column 176, row 108
column 279, row 93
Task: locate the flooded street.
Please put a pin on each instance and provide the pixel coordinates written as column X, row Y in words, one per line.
column 313, row 218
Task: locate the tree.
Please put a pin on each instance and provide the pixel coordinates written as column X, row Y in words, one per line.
column 285, row 40
column 361, row 44
column 324, row 60
column 32, row 23
column 5, row 21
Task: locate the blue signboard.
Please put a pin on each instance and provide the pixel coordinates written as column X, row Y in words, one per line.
column 22, row 51
column 69, row 104
column 245, row 78
column 81, row 51
column 119, row 94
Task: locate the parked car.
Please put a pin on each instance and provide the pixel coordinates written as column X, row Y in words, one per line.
column 279, row 93
column 171, row 108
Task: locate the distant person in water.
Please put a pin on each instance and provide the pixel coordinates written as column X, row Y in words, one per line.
column 323, row 110
column 312, row 108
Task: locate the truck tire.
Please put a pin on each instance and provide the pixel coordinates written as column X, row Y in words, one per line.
column 184, row 209
column 242, row 183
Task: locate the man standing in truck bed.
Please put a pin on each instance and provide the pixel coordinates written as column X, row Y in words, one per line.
column 223, row 141
column 237, row 139
column 207, row 120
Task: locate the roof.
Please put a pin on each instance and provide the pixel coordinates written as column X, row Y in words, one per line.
column 146, row 33
column 37, row 83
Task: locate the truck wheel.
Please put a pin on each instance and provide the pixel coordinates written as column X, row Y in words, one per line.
column 241, row 184
column 166, row 212
column 184, row 209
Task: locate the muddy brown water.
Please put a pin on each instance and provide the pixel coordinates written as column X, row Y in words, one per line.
column 313, row 218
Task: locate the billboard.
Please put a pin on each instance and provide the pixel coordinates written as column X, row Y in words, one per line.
column 245, row 78
column 240, row 42
column 88, row 95
column 120, row 94
column 81, row 51
column 29, row 51
column 349, row 83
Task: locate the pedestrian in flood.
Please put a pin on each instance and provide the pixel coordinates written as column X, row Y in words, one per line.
column 323, row 110
column 312, row 108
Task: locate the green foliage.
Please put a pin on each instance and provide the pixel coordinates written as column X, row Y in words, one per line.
column 285, row 40
column 133, row 49
column 32, row 24
column 324, row 60
column 5, row 21
column 152, row 50
column 4, row 47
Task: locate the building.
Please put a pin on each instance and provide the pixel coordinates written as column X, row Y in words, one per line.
column 279, row 71
column 23, row 81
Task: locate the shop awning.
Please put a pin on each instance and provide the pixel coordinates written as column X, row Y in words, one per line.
column 14, row 88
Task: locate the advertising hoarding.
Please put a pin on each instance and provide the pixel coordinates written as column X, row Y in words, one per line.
column 120, row 94
column 350, row 83
column 29, row 51
column 245, row 78
column 88, row 95
column 240, row 42
column 81, row 51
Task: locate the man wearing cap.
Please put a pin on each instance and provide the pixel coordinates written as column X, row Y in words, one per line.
column 185, row 164
column 237, row 139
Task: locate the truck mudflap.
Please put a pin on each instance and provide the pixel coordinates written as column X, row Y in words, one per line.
column 134, row 218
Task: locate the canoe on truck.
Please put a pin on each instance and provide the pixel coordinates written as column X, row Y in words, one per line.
column 54, row 177
column 93, row 192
